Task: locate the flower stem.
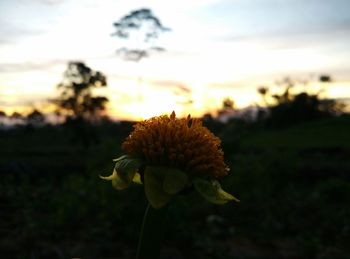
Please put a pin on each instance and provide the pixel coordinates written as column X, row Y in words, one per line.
column 152, row 231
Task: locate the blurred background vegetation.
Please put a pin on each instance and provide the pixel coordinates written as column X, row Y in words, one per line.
column 289, row 167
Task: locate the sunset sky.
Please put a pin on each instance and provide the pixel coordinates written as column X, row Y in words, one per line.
column 216, row 49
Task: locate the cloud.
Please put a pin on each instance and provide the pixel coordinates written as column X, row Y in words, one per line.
column 14, row 101
column 50, row 2
column 295, row 37
column 30, row 66
column 23, row 18
column 178, row 86
column 10, row 33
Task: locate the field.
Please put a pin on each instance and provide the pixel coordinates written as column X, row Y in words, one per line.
column 293, row 184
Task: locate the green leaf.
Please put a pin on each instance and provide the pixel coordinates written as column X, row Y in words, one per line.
column 154, row 178
column 126, row 168
column 175, row 180
column 117, row 182
column 212, row 191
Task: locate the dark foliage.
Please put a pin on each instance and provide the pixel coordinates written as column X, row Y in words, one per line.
column 147, row 25
column 291, row 109
column 293, row 185
column 16, row 115
column 76, row 98
column 35, row 118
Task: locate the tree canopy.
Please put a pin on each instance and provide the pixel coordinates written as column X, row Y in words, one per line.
column 76, row 98
column 290, row 108
column 142, row 27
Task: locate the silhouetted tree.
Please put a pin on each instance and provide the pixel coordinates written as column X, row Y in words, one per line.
column 295, row 108
column 325, row 78
column 35, row 118
column 147, row 28
column 16, row 115
column 2, row 117
column 228, row 104
column 16, row 118
column 285, row 97
column 141, row 28
column 263, row 90
column 76, row 97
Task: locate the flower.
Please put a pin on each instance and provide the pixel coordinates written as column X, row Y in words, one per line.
column 181, row 143
column 169, row 154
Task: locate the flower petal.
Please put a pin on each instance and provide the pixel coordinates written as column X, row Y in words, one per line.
column 110, row 177
column 126, row 168
column 137, row 178
column 117, row 182
column 212, row 191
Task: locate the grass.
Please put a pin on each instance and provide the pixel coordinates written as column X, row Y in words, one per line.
column 329, row 133
column 293, row 185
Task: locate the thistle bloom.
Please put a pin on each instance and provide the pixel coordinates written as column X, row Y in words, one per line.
column 181, row 143
column 169, row 154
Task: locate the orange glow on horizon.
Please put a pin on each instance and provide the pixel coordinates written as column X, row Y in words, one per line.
column 151, row 101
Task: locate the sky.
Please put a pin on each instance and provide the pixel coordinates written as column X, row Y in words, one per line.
column 215, row 49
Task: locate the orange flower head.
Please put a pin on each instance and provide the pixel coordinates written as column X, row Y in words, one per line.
column 177, row 142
